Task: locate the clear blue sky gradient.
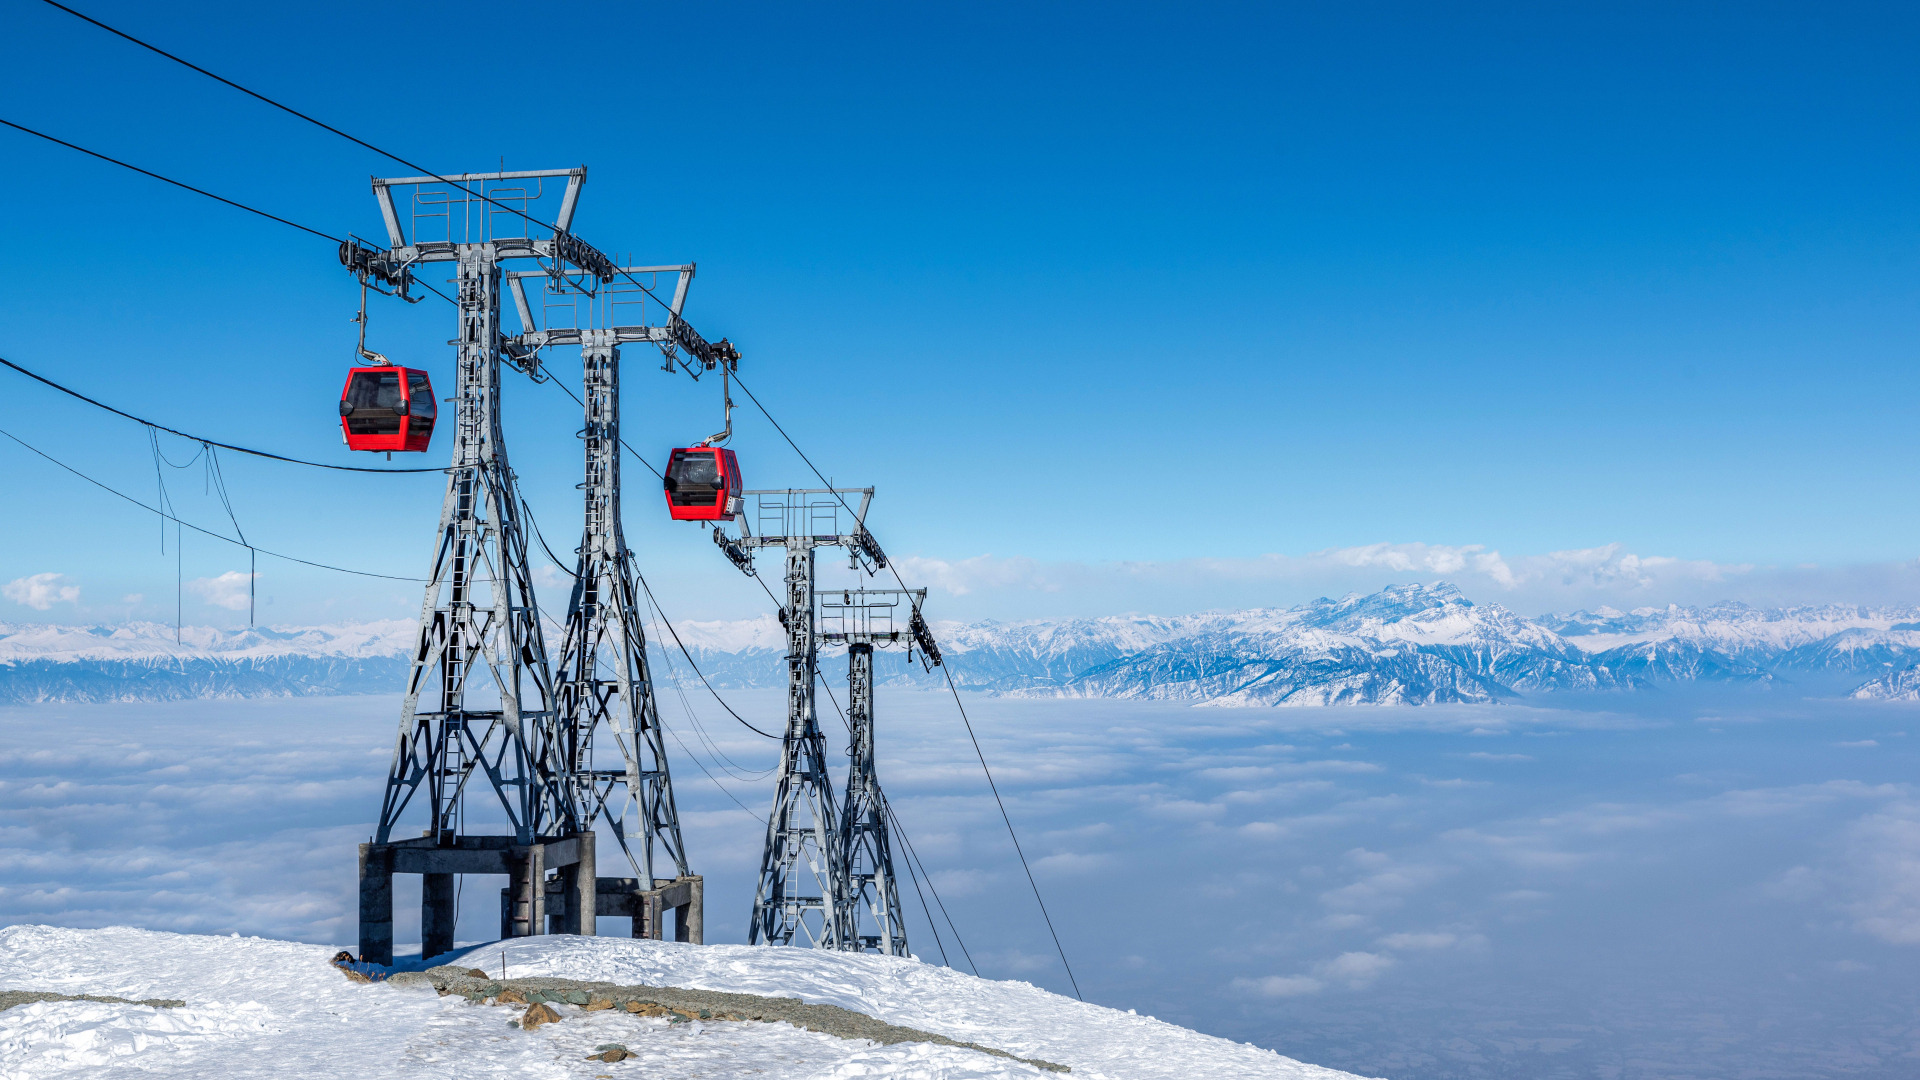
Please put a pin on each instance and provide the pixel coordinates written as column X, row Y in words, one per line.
column 1086, row 283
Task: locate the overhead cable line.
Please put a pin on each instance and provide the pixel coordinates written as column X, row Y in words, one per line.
column 283, row 108
column 1015, row 836
column 716, row 781
column 690, row 660
column 914, row 857
column 931, row 925
column 663, row 621
column 623, row 442
column 199, row 439
column 191, row 525
column 706, row 738
column 290, row 110
column 169, row 180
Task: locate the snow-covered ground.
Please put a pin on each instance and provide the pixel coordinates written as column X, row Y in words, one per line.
column 257, row 1007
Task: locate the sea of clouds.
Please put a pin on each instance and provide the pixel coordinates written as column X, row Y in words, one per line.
column 1699, row 884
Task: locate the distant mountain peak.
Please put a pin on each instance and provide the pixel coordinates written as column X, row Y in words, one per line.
column 1405, row 644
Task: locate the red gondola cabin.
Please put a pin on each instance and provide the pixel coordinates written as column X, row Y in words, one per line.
column 387, row 408
column 703, row 484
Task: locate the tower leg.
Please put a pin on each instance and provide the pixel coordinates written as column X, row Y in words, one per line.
column 578, row 885
column 436, row 914
column 803, row 828
column 529, row 887
column 689, row 923
column 376, row 904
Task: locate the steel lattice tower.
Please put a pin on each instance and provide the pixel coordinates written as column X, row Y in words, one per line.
column 864, row 833
column 862, row 619
column 480, row 623
column 479, row 616
column 804, row 822
column 846, row 848
column 603, row 677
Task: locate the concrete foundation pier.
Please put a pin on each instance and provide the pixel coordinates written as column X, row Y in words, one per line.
column 523, row 903
column 685, row 897
column 436, row 914
column 376, row 904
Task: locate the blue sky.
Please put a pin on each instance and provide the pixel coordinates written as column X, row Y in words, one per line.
column 1079, row 288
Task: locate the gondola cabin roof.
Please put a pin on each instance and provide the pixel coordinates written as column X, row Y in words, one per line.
column 387, row 408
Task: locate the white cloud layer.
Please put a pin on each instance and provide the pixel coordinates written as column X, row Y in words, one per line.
column 41, row 591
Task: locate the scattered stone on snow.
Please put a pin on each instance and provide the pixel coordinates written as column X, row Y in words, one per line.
column 537, row 1015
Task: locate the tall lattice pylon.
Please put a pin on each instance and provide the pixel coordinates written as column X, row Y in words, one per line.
column 864, row 832
column 480, row 705
column 806, row 824
column 862, row 619
column 478, row 696
column 479, row 616
column 603, row 681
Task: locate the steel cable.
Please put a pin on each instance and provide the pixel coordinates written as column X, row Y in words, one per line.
column 167, row 180
column 188, row 524
column 204, row 441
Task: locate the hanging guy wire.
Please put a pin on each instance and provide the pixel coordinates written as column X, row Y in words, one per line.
column 202, row 440
column 187, row 524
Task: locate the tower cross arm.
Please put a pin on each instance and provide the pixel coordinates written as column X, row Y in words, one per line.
column 689, row 341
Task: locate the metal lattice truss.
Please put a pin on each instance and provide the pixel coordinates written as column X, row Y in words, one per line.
column 844, row 843
column 480, row 633
column 603, row 677
column 862, row 619
column 481, row 664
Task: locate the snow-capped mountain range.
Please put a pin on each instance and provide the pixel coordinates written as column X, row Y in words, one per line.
column 1407, row 644
column 145, row 662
